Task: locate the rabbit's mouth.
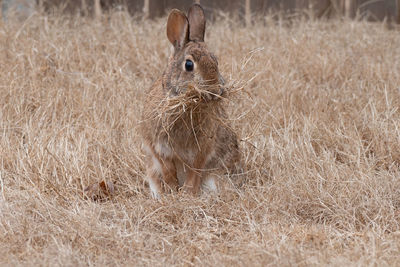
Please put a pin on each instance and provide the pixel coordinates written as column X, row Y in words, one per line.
column 213, row 95
column 202, row 92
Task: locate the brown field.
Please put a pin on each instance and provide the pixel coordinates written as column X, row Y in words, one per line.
column 319, row 124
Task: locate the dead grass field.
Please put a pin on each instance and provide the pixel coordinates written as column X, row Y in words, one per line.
column 319, row 123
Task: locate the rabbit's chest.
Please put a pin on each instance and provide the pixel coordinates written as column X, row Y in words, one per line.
column 184, row 144
column 187, row 136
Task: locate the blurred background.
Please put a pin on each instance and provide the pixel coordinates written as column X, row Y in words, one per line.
column 373, row 10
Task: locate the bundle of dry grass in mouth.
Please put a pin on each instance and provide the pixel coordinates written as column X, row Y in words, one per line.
column 195, row 102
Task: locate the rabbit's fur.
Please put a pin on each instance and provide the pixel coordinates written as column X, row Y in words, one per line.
column 189, row 144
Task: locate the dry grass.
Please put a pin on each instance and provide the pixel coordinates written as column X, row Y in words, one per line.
column 320, row 129
column 194, row 101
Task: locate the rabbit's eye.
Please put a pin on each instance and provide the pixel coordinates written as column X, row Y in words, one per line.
column 189, row 65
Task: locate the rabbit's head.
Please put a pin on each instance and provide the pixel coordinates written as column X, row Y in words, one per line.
column 191, row 65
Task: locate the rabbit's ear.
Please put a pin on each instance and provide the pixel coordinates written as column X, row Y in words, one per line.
column 177, row 29
column 197, row 23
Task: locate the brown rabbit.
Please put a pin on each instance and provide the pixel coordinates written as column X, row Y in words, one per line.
column 184, row 130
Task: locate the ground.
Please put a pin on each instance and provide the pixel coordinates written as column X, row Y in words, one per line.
column 319, row 126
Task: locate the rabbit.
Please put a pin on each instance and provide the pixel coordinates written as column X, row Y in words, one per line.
column 191, row 149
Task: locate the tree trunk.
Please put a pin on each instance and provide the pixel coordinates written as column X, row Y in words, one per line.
column 97, row 9
column 146, row 8
column 349, row 8
column 247, row 13
column 84, row 7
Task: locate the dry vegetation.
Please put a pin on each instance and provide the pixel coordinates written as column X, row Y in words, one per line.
column 320, row 134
